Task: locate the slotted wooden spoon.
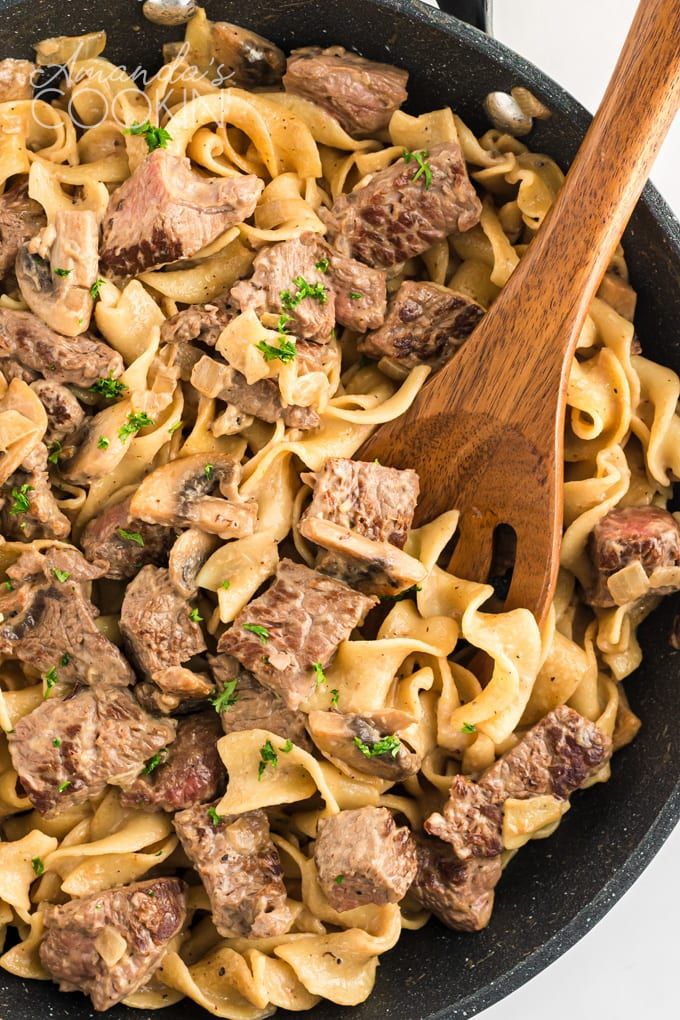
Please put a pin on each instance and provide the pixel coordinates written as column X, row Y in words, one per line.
column 486, row 434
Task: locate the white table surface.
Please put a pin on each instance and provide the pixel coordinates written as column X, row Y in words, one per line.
column 626, row 967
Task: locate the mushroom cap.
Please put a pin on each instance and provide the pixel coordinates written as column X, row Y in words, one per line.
column 249, row 58
column 187, row 556
column 334, row 734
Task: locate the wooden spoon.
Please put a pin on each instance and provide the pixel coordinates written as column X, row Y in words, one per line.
column 486, row 434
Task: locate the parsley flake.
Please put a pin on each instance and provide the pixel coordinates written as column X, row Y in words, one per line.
column 9, row 586
column 282, row 324
column 317, row 291
column 286, row 352
column 65, row 659
column 388, row 745
column 55, row 450
column 323, row 265
column 136, row 421
column 258, row 630
column 63, row 787
column 109, row 387
column 354, row 295
column 21, row 504
column 226, row 585
column 227, row 697
column 339, row 879
column 335, row 697
column 103, row 443
column 130, row 536
column 468, row 727
column 400, row 596
column 268, row 757
column 95, row 288
column 195, row 616
column 63, row 273
column 56, row 742
column 319, row 674
column 50, row 678
column 287, row 747
column 214, row 817
column 153, row 762
column 38, row 866
column 209, row 471
column 424, row 169
column 173, row 428
column 61, row 575
column 155, row 137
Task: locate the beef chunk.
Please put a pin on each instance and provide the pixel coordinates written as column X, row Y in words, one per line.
column 202, row 323
column 50, row 624
column 240, row 869
column 459, row 893
column 190, row 773
column 555, row 757
column 108, row 945
column 78, row 361
column 20, row 217
column 42, row 518
column 66, row 751
column 102, row 539
column 365, row 743
column 244, row 57
column 166, row 212
column 261, row 399
column 301, row 619
column 64, row 413
column 362, row 857
column 155, row 624
column 254, row 707
column 360, row 293
column 16, row 80
column 644, row 534
column 361, row 94
column 396, row 216
column 425, row 325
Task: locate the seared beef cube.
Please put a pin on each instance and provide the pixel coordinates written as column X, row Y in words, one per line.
column 365, row 744
column 181, row 494
column 245, row 58
column 425, row 325
column 105, row 538
column 300, row 620
column 240, row 869
column 77, row 361
column 42, row 518
column 108, row 945
column 66, row 751
column 50, row 625
column 202, row 323
column 362, row 857
column 20, row 217
column 646, row 535
column 252, row 706
column 166, row 212
column 16, row 80
column 554, row 758
column 156, row 624
column 191, row 772
column 291, row 278
column 360, row 293
column 459, row 894
column 361, row 94
column 397, row 215
column 261, row 399
column 64, row 413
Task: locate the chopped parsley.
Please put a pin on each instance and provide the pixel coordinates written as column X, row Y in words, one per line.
column 38, row 866
column 286, row 352
column 61, row 575
column 335, row 697
column 155, row 137
column 95, row 288
column 56, row 742
column 9, row 586
column 65, row 659
column 287, row 747
column 317, row 291
column 226, row 585
column 268, row 757
column 209, row 471
column 319, row 674
column 21, row 504
column 227, row 697
column 323, row 265
column 468, row 727
column 55, row 450
column 388, row 745
column 130, row 536
column 424, row 169
column 63, row 787
column 400, row 596
column 354, row 295
column 109, row 387
column 63, row 273
column 339, row 879
column 214, row 817
column 103, row 443
column 282, row 324
column 195, row 616
column 173, row 428
column 135, row 422
column 50, row 679
column 258, row 630
column 153, row 762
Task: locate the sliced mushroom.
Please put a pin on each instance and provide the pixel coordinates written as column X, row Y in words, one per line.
column 169, row 12
column 179, row 493
column 187, row 556
column 58, row 291
column 97, row 448
column 338, row 737
column 376, row 568
column 507, row 115
column 245, row 58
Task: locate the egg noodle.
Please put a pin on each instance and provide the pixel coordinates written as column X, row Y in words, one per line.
column 622, row 448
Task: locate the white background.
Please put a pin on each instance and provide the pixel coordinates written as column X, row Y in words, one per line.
column 626, row 968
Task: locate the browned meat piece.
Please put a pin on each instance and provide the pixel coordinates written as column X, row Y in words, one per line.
column 245, row 58
column 290, row 278
column 644, row 534
column 425, row 325
column 12, row 369
column 460, row 894
column 106, row 538
column 202, row 323
column 166, row 212
column 300, row 620
column 365, row 743
column 555, row 757
column 619, row 294
column 50, row 625
column 361, row 94
column 252, row 706
column 108, row 945
column 178, row 494
column 240, row 869
column 42, row 518
column 16, row 80
column 79, row 361
column 64, row 413
column 190, row 773
column 156, row 624
column 360, row 293
column 66, row 751
column 261, row 399
column 20, row 218
column 362, row 857
column 396, row 215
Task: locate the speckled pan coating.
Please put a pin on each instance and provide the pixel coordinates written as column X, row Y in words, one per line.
column 557, row 889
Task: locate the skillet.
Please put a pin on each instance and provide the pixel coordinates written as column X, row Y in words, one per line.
column 556, row 889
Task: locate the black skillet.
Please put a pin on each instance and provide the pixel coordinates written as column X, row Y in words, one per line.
column 555, row 890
